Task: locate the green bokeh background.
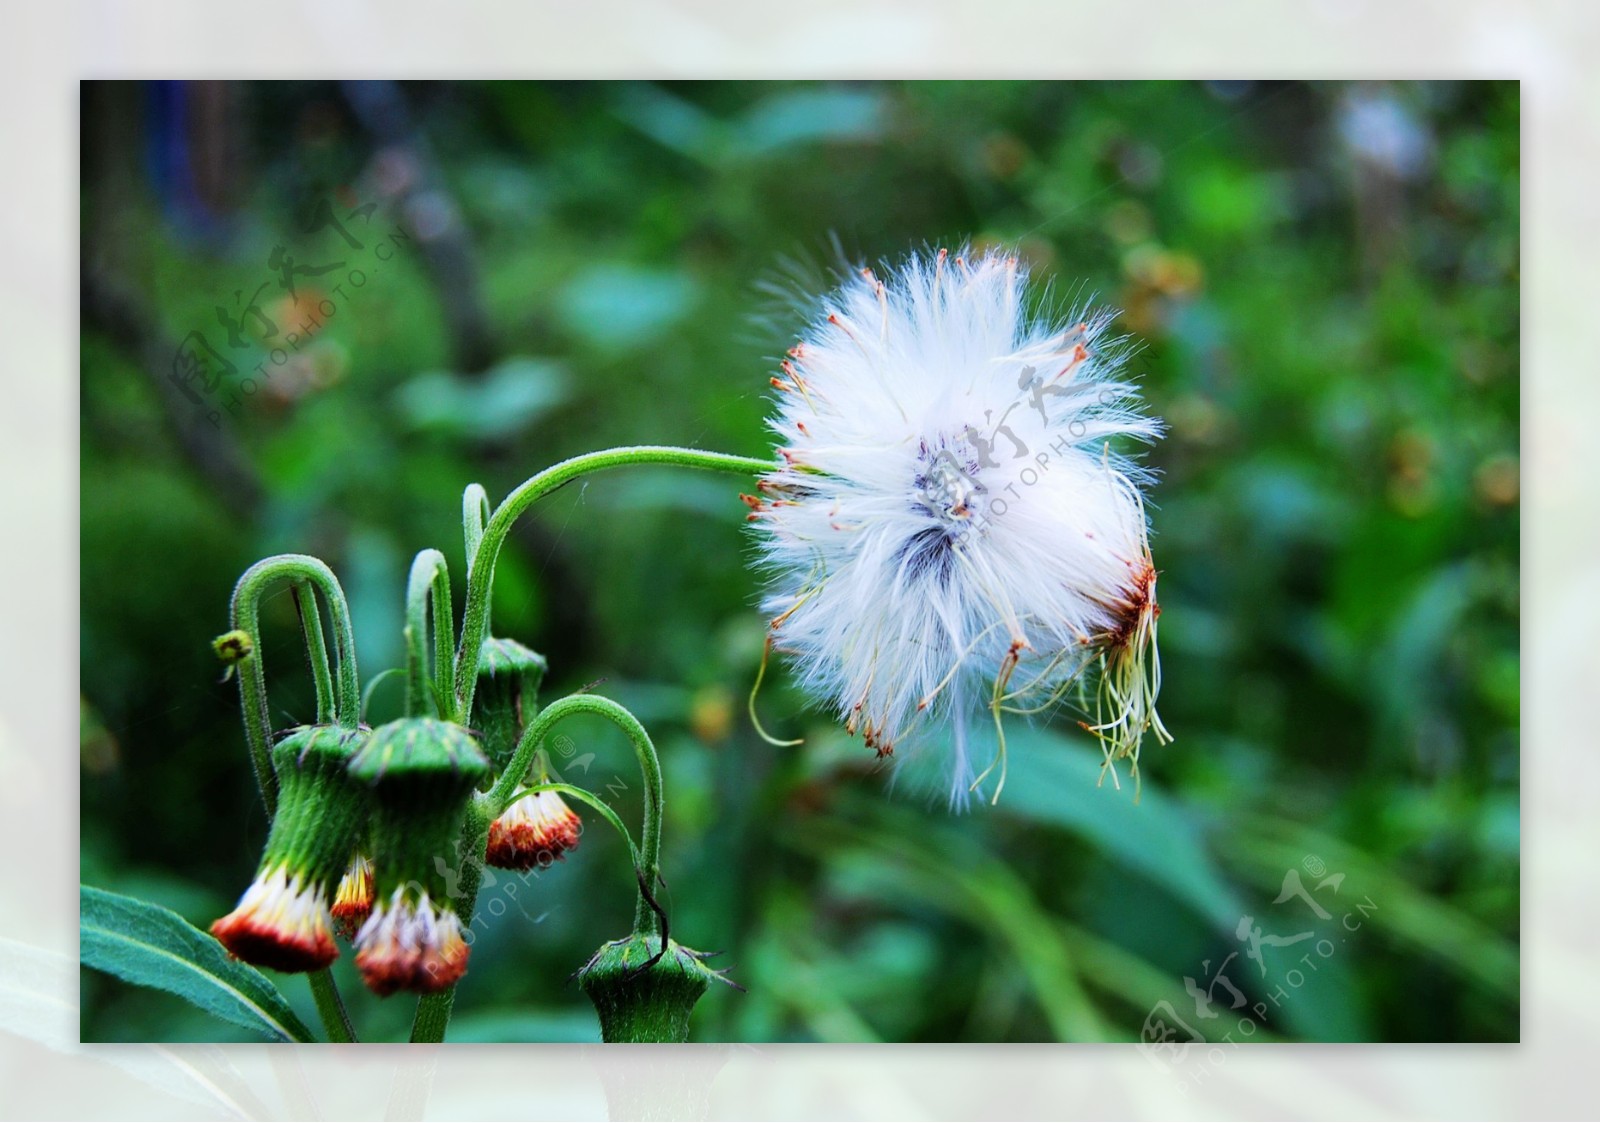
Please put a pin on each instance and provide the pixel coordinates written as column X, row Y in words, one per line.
column 1325, row 281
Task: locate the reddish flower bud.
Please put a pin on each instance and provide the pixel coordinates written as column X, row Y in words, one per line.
column 422, row 773
column 352, row 904
column 410, row 943
column 282, row 921
column 533, row 832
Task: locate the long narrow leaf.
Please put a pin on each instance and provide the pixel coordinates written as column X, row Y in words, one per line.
column 151, row 946
column 1057, row 782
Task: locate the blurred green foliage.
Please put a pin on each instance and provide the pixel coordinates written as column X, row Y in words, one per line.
column 1325, row 281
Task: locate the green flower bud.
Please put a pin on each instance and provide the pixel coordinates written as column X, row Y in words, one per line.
column 644, row 994
column 282, row 920
column 421, row 772
column 231, row 647
column 507, row 695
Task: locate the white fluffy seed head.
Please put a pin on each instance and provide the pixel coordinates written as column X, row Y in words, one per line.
column 956, row 528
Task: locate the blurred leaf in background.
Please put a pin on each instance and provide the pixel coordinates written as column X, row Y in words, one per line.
column 1324, row 280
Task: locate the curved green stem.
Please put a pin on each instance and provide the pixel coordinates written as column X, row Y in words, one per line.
column 433, row 1010
column 245, row 614
column 330, row 1007
column 429, row 583
column 649, row 852
column 316, row 648
column 483, row 544
column 475, row 511
column 480, row 578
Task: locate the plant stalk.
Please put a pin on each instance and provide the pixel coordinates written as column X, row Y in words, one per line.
column 330, row 1007
column 245, row 615
column 429, row 583
column 480, row 579
column 305, row 604
column 645, row 919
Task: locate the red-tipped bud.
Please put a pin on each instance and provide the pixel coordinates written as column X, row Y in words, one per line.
column 533, row 832
column 409, row 943
column 282, row 921
column 422, row 772
column 352, row 904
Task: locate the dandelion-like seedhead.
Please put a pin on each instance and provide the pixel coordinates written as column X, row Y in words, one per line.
column 956, row 527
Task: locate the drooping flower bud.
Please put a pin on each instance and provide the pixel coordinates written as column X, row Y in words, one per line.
column 282, row 921
column 537, row 829
column 422, row 772
column 352, row 904
column 533, row 832
column 643, row 993
column 506, row 699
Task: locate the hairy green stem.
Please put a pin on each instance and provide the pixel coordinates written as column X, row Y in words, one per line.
column 429, row 583
column 480, row 579
column 305, row 603
column 475, row 512
column 484, row 540
column 649, row 852
column 330, row 1007
column 245, row 614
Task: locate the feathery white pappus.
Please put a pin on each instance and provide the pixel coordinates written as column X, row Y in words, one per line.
column 952, row 530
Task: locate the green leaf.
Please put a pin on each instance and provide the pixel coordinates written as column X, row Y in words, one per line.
column 492, row 406
column 150, row 946
column 1054, row 781
column 36, row 988
column 615, row 306
column 798, row 117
